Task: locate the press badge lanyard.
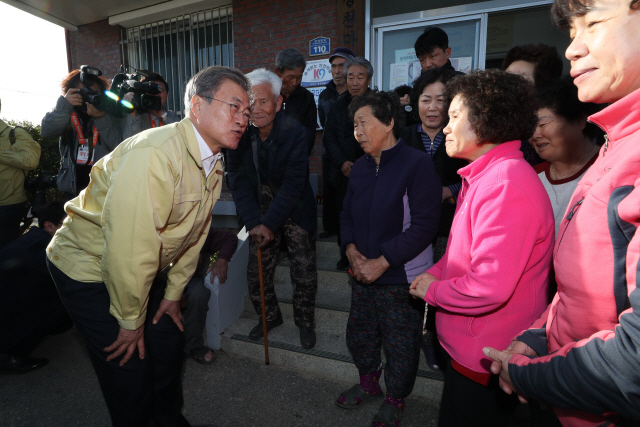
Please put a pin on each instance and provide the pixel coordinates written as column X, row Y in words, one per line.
column 84, row 151
column 153, row 123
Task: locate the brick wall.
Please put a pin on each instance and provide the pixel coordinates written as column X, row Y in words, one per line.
column 260, row 30
column 97, row 44
column 263, row 28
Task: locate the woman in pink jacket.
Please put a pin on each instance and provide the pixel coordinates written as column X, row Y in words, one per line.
column 492, row 281
column 582, row 356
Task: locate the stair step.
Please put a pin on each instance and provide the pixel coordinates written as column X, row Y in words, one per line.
column 433, row 375
column 326, row 278
column 330, row 337
column 327, row 319
column 329, row 358
column 327, row 255
column 334, row 288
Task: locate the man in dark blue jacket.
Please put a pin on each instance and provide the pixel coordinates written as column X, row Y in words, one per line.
column 297, row 101
column 336, row 87
column 338, row 140
column 30, row 308
column 269, row 181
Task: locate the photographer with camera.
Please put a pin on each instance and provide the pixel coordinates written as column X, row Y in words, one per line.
column 19, row 153
column 85, row 132
column 137, row 121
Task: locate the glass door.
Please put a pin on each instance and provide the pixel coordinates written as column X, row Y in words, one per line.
column 395, row 62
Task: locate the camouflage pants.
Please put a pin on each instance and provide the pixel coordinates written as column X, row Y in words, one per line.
column 302, row 256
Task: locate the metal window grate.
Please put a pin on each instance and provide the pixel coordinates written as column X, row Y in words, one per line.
column 179, row 47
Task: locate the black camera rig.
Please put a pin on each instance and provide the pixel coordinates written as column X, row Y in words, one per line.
column 113, row 100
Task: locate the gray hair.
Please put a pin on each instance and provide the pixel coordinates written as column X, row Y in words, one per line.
column 358, row 60
column 290, row 59
column 261, row 76
column 207, row 82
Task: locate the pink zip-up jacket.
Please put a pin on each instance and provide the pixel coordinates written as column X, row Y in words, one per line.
column 493, row 278
column 589, row 337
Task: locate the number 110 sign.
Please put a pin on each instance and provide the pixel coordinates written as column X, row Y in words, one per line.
column 319, row 46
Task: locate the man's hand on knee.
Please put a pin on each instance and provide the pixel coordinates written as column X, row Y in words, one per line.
column 127, row 341
column 172, row 309
column 219, row 268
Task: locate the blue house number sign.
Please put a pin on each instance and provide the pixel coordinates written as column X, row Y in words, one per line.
column 319, row 46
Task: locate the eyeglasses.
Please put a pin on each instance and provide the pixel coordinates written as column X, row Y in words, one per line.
column 234, row 109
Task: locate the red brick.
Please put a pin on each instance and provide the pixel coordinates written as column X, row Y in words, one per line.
column 261, row 29
column 96, row 44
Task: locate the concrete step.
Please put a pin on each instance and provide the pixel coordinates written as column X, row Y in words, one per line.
column 334, row 288
column 321, row 229
column 329, row 358
column 327, row 320
column 327, row 255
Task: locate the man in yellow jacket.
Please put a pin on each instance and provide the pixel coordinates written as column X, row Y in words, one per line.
column 147, row 208
column 19, row 153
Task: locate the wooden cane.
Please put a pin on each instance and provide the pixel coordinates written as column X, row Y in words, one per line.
column 264, row 310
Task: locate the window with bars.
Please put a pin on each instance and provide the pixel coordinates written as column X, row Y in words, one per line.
column 179, row 47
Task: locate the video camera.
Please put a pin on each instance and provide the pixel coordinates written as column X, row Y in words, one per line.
column 143, row 93
column 113, row 100
column 88, row 77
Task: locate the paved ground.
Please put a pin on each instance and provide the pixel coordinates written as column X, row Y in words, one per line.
column 234, row 391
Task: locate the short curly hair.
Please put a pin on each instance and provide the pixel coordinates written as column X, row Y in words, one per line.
column 502, row 106
column 384, row 106
column 545, row 59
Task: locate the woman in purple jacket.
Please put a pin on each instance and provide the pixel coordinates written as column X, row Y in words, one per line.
column 492, row 281
column 389, row 218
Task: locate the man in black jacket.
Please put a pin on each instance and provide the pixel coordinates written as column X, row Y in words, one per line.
column 269, row 181
column 336, row 87
column 30, row 308
column 297, row 101
column 342, row 148
column 338, row 84
column 433, row 51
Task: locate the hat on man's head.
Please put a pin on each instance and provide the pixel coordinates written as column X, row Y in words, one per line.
column 343, row 52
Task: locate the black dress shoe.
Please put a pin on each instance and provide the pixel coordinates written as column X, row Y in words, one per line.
column 307, row 337
column 343, row 264
column 21, row 364
column 257, row 331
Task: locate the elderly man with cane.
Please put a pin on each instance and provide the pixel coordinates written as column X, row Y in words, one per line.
column 269, row 181
column 147, row 208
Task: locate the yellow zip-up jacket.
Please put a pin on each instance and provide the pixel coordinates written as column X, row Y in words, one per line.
column 148, row 206
column 23, row 155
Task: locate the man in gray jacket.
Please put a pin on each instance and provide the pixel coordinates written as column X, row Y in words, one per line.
column 86, row 134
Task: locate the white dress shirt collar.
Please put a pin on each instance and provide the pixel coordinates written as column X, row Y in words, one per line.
column 208, row 158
